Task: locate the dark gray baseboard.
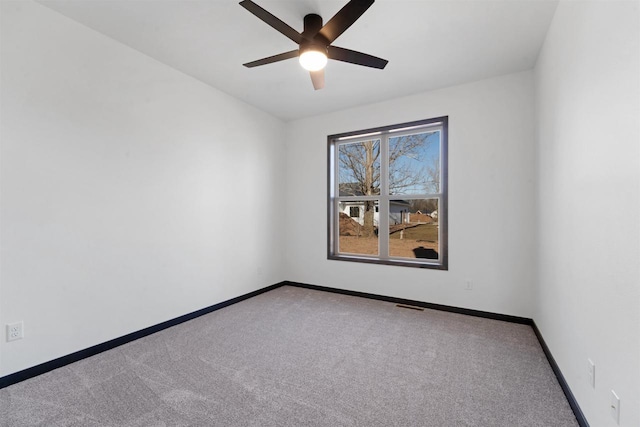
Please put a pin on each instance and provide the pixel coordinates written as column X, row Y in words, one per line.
column 582, row 420
column 451, row 309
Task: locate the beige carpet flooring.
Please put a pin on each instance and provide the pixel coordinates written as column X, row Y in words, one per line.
column 299, row 357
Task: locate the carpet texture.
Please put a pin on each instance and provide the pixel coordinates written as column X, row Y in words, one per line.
column 299, row 357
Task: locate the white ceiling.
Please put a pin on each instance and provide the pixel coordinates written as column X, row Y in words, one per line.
column 429, row 44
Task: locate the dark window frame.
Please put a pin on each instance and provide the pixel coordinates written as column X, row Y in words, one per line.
column 332, row 208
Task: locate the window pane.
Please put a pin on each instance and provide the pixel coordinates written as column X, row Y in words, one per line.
column 358, row 234
column 359, row 173
column 413, row 228
column 414, row 163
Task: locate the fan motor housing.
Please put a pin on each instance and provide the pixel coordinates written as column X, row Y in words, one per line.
column 312, row 24
column 312, row 40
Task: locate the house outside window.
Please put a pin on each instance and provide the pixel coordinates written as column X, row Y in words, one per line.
column 387, row 199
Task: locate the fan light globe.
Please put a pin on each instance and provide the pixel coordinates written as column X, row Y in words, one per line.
column 313, row 60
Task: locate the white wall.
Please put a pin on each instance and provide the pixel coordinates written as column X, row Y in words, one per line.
column 491, row 200
column 131, row 193
column 588, row 295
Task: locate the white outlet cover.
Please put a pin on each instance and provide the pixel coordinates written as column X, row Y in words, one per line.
column 591, row 370
column 15, row 331
column 615, row 407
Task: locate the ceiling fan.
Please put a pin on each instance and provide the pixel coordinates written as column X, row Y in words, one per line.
column 314, row 43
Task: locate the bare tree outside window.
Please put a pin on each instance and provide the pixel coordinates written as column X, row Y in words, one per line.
column 360, row 176
column 414, row 163
column 414, row 168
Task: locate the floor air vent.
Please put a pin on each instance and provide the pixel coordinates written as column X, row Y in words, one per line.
column 409, row 307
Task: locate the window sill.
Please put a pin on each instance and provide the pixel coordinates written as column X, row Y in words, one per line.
column 397, row 262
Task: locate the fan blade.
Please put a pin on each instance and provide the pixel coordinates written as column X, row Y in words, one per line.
column 344, row 19
column 272, row 59
column 317, row 78
column 358, row 58
column 271, row 20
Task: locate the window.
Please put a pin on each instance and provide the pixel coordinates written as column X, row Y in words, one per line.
column 388, row 195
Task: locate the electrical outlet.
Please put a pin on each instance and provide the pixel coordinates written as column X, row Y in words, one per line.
column 468, row 285
column 591, row 371
column 615, row 407
column 15, row 331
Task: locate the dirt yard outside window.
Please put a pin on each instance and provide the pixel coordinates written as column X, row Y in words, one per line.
column 412, row 241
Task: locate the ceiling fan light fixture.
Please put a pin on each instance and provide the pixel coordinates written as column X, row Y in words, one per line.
column 315, row 41
column 313, row 60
